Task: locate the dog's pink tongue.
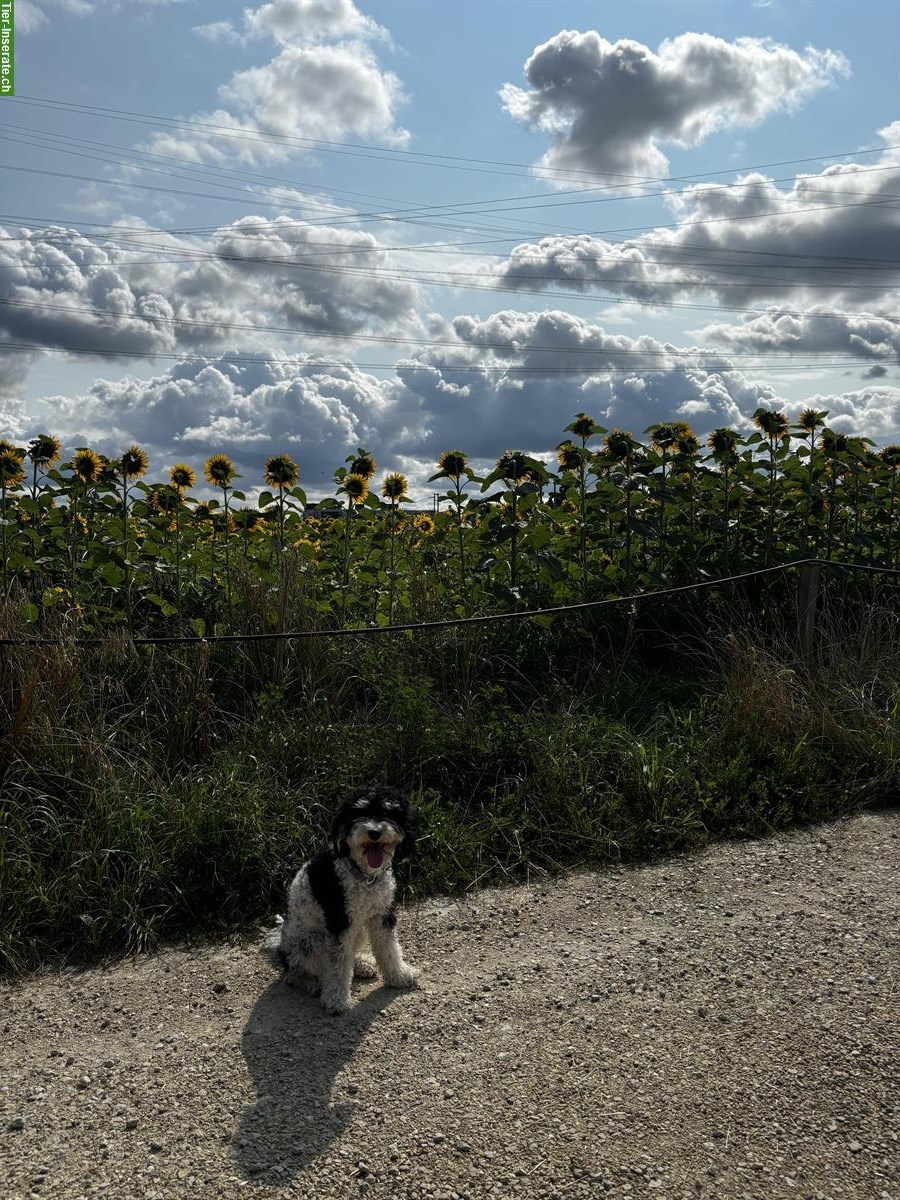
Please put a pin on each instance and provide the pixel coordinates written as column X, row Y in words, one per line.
column 374, row 857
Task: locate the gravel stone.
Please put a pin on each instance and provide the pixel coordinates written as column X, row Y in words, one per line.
column 719, row 1026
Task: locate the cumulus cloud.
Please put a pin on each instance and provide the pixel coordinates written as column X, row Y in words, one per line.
column 610, row 106
column 60, row 288
column 530, row 372
column 831, row 237
column 872, row 412
column 512, row 378
column 45, row 287
column 818, row 332
column 291, row 20
column 250, row 409
column 325, row 82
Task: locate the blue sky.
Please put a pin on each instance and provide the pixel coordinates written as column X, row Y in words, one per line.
column 307, row 225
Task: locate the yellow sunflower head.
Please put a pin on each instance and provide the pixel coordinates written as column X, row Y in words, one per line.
column 219, row 470
column 356, row 487
column 453, row 463
column 281, row 471
column 44, row 450
column 571, row 457
column 133, row 463
column 11, row 472
column 182, row 476
column 394, row 487
column 363, row 464
column 87, row 465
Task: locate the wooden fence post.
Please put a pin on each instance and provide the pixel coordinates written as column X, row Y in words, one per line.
column 807, row 600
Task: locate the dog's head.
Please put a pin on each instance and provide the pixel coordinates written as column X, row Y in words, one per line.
column 375, row 828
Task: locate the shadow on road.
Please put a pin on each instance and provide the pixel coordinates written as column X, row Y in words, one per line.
column 293, row 1051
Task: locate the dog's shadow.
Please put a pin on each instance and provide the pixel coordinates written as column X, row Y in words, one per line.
column 294, row 1050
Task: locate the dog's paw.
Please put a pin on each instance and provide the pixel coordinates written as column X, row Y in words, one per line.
column 364, row 967
column 404, row 977
column 305, row 983
column 335, row 1004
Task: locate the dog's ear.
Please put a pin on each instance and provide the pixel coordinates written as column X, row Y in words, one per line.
column 340, row 827
column 411, row 828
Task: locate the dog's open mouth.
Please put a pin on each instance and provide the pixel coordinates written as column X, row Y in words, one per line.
column 374, row 856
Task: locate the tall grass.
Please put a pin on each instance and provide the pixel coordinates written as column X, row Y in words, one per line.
column 149, row 793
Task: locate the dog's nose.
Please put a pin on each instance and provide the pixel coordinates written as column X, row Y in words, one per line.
column 374, row 835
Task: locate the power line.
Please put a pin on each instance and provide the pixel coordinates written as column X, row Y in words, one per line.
column 403, row 156
column 400, row 340
column 406, row 210
column 419, row 364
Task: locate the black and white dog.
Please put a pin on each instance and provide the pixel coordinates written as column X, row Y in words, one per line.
column 344, row 896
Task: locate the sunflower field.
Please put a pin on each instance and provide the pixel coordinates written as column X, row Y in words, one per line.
column 153, row 789
column 90, row 544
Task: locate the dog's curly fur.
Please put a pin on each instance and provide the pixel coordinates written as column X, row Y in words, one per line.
column 345, row 895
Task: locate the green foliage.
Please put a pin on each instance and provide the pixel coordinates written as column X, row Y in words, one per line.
column 113, row 549
column 150, row 793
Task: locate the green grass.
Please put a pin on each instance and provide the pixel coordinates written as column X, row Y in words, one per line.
column 147, row 795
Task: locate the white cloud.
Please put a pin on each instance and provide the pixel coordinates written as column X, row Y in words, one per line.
column 831, row 238
column 29, row 17
column 814, row 332
column 59, row 288
column 249, row 409
column 610, row 106
column 316, row 87
column 217, row 32
column 303, row 20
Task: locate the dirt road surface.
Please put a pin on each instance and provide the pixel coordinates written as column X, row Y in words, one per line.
column 723, row 1025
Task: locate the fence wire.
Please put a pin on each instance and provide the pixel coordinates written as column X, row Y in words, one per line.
column 453, row 622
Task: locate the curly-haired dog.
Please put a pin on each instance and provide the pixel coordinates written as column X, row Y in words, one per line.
column 345, row 895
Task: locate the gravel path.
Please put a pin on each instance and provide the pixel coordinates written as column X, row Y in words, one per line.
column 722, row 1025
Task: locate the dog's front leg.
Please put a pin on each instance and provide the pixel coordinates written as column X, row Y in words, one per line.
column 383, row 936
column 337, row 973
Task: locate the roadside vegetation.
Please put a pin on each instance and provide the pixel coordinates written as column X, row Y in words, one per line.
column 153, row 791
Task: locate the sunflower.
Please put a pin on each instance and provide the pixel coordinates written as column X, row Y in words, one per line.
column 248, row 519
column 363, row 464
column 452, row 463
column 163, row 499
column 87, row 465
column 773, row 424
column 423, row 524
column 834, row 443
column 687, row 442
column 723, row 443
column 44, row 450
column 394, row 487
column 281, row 471
column 619, row 445
column 663, row 435
column 571, row 457
column 810, row 419
column 513, row 465
column 219, row 470
column 182, row 476
column 133, row 463
column 584, row 426
column 11, row 472
column 356, row 486
column 890, row 456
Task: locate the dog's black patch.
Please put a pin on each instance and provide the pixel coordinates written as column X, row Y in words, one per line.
column 328, row 893
column 389, row 920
